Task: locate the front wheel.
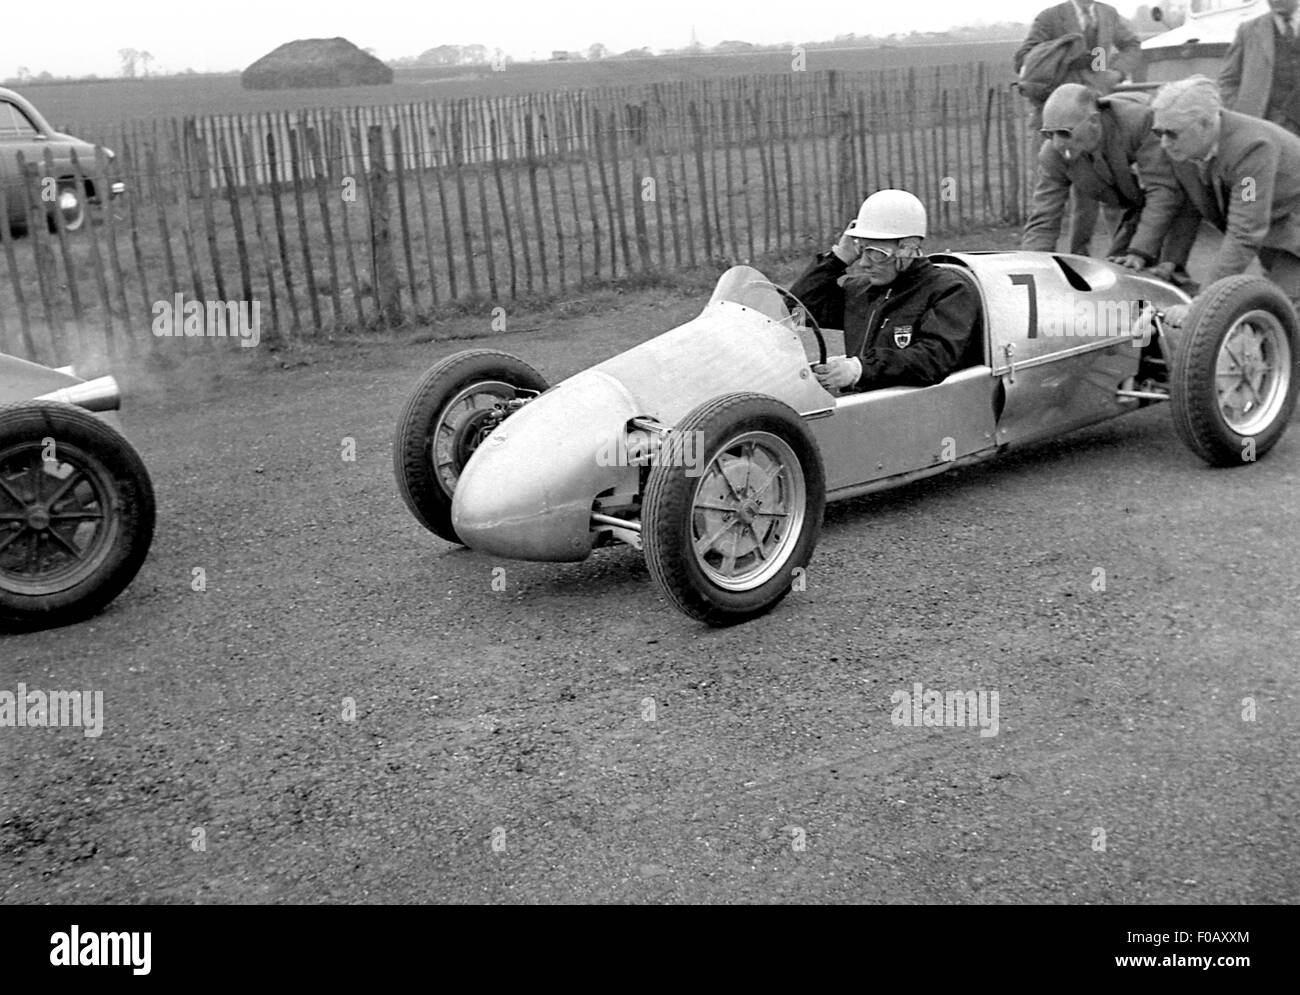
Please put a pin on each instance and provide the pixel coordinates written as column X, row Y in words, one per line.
column 455, row 406
column 76, row 514
column 1234, row 376
column 733, row 507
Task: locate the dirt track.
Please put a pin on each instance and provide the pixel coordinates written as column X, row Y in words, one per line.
column 520, row 716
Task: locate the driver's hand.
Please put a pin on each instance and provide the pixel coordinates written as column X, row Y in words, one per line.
column 1162, row 271
column 847, row 249
column 1130, row 261
column 838, row 372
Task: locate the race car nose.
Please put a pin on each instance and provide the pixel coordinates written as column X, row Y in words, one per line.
column 527, row 492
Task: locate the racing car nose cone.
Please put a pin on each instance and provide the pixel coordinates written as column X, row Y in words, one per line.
column 527, row 492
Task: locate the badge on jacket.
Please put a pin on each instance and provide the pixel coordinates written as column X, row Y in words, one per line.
column 902, row 336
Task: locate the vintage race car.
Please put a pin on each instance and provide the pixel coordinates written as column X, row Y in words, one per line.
column 714, row 449
column 76, row 502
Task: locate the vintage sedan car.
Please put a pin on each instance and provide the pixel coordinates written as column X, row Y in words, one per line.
column 76, row 502
column 713, row 448
column 23, row 129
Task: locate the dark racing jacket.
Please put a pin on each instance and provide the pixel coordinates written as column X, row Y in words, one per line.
column 911, row 333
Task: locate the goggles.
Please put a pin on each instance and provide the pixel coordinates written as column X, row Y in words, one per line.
column 875, row 254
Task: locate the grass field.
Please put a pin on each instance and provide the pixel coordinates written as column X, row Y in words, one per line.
column 96, row 110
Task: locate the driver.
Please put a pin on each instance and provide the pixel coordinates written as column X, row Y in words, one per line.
column 906, row 321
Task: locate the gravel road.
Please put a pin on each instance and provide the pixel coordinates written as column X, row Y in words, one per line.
column 351, row 711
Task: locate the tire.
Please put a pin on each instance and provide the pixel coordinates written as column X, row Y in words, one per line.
column 94, row 481
column 1235, row 371
column 72, row 204
column 746, row 430
column 453, row 402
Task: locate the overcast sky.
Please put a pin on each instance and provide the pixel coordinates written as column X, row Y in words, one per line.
column 78, row 36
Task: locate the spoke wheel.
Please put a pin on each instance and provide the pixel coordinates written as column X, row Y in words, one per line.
column 56, row 525
column 1253, row 372
column 464, row 423
column 457, row 404
column 76, row 514
column 747, row 510
column 725, row 533
column 1234, row 375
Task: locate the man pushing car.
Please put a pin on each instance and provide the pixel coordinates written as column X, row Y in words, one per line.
column 1241, row 173
column 1105, row 148
column 906, row 321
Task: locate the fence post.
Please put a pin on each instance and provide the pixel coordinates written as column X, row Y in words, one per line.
column 45, row 265
column 24, row 319
column 381, row 236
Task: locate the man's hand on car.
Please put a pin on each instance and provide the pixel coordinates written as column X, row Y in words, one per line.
column 838, row 372
column 1129, row 261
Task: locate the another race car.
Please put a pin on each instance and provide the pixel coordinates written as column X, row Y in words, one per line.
column 714, row 449
column 76, row 502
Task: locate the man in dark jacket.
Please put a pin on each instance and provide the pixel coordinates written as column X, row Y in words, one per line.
column 907, row 322
column 1103, row 148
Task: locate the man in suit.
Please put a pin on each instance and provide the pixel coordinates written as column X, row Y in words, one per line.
column 1261, row 74
column 1240, row 172
column 1102, row 147
column 1111, row 51
column 1106, row 35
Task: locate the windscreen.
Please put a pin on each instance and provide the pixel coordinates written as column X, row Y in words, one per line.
column 746, row 285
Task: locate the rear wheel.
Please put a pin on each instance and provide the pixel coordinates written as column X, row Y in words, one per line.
column 1234, row 376
column 76, row 514
column 733, row 507
column 69, row 203
column 455, row 406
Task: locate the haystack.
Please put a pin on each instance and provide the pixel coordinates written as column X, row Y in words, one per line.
column 312, row 62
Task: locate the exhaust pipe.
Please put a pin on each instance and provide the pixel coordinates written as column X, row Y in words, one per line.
column 100, row 394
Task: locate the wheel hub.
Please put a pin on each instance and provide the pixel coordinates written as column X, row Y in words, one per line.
column 1253, row 373
column 748, row 511
column 38, row 518
column 473, row 431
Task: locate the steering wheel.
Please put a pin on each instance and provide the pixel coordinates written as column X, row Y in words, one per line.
column 799, row 307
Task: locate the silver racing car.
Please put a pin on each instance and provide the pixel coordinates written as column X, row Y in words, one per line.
column 713, row 448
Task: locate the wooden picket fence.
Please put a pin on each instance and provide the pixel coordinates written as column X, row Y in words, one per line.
column 364, row 217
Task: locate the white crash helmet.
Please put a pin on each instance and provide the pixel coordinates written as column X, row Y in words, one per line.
column 889, row 214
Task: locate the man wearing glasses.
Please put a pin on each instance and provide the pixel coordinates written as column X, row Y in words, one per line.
column 1102, row 148
column 907, row 322
column 1240, row 172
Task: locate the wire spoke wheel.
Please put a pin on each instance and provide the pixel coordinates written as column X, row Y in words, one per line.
column 464, row 423
column 457, row 404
